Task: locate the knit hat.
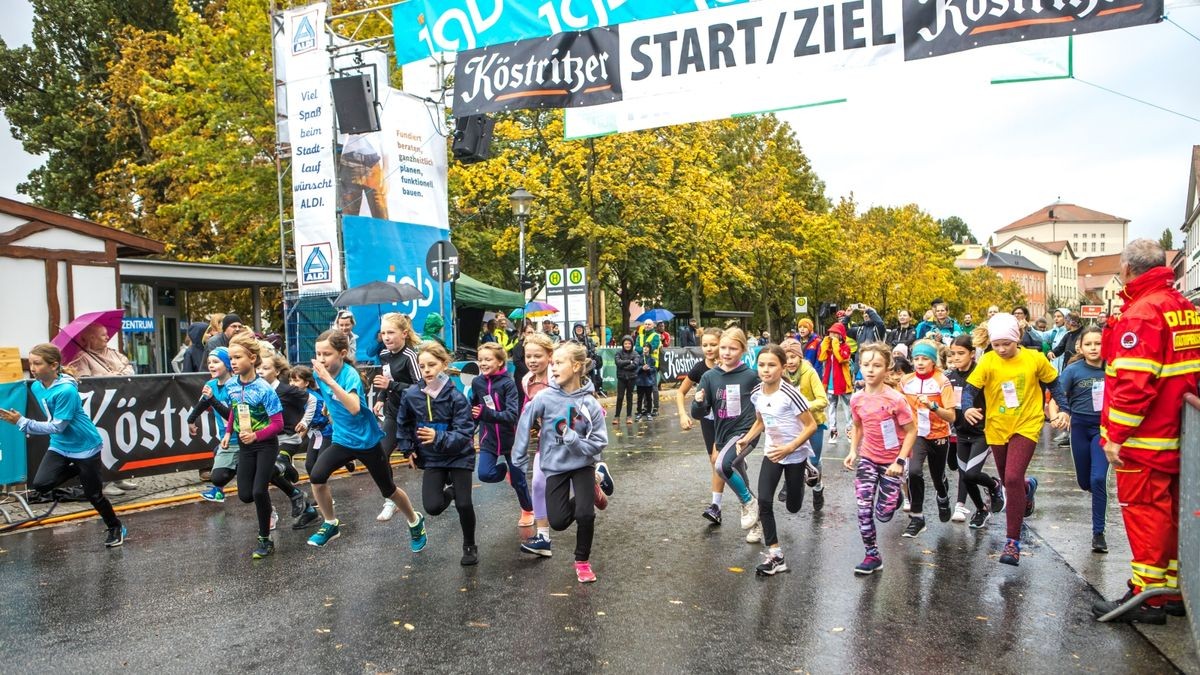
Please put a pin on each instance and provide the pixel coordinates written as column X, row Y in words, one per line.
column 223, row 354
column 838, row 329
column 805, row 323
column 229, row 320
column 926, row 349
column 900, row 349
column 792, row 347
column 1003, row 326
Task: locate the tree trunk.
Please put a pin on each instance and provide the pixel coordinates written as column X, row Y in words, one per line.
column 696, row 300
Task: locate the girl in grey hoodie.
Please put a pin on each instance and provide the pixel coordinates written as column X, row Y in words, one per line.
column 572, row 437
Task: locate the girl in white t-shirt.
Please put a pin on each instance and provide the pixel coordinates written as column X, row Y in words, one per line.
column 783, row 413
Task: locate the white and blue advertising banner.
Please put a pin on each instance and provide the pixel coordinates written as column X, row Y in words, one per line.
column 311, row 134
column 425, row 27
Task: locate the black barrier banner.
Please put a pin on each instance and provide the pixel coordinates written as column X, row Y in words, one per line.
column 561, row 71
column 939, row 27
column 678, row 361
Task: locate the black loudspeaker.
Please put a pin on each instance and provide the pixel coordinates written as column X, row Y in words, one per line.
column 354, row 101
column 473, row 138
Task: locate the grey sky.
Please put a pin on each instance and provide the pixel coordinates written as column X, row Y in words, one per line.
column 936, row 133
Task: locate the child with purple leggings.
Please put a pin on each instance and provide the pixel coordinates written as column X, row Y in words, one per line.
column 880, row 414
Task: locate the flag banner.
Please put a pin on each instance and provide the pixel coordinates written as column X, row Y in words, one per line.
column 939, row 27
column 561, row 71
column 425, row 27
column 310, row 126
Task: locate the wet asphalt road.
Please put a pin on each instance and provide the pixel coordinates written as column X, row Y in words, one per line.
column 674, row 594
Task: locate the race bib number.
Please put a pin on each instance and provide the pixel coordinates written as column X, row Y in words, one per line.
column 491, row 404
column 244, row 419
column 317, row 439
column 1010, row 394
column 922, row 422
column 770, row 422
column 890, row 439
column 1097, row 395
column 733, row 400
column 958, row 397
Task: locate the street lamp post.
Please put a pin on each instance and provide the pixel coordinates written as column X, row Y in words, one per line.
column 521, row 201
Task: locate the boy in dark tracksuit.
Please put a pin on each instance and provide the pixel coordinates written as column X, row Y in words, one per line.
column 647, row 377
column 629, row 363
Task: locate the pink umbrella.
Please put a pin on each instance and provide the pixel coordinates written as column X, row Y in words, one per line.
column 69, row 339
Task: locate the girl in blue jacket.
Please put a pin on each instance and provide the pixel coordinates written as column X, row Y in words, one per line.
column 434, row 421
column 495, row 407
column 74, row 441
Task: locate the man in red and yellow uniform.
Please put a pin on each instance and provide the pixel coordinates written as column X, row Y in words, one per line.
column 1154, row 359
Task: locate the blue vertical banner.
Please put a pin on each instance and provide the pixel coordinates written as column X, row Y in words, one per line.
column 383, row 250
column 13, row 469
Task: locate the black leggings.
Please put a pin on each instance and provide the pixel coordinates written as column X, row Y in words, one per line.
column 935, row 451
column 255, row 471
column 56, row 469
column 436, row 501
column 972, row 455
column 373, row 458
column 645, row 407
column 624, row 395
column 768, row 479
column 709, row 430
column 563, row 509
column 222, row 477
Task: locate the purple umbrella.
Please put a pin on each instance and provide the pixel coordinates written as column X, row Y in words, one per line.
column 69, row 339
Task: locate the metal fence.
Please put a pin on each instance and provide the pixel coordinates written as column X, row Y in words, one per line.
column 307, row 317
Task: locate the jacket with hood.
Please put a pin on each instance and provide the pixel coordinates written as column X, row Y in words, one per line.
column 573, row 433
column 404, row 371
column 836, row 360
column 647, row 374
column 193, row 358
column 432, row 329
column 497, row 396
column 727, row 395
column 579, row 334
column 628, row 360
column 449, row 415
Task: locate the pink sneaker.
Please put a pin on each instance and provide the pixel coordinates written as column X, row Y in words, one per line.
column 601, row 498
column 583, row 572
column 526, row 519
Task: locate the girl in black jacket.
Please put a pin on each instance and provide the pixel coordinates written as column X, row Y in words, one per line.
column 629, row 362
column 399, row 372
column 495, row 405
column 434, row 421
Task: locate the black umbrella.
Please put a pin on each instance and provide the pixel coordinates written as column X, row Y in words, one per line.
column 378, row 293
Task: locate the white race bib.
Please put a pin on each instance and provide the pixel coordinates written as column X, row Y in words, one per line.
column 1097, row 395
column 922, row 422
column 245, row 422
column 491, row 404
column 770, row 422
column 733, row 400
column 890, row 439
column 958, row 397
column 1010, row 394
column 317, row 439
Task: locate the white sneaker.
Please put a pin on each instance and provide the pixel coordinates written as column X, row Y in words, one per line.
column 755, row 535
column 125, row 484
column 111, row 490
column 960, row 513
column 389, row 510
column 749, row 513
column 906, row 506
column 274, row 518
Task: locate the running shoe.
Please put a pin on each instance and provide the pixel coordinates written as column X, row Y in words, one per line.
column 537, row 545
column 812, row 474
column 526, row 519
column 783, row 494
column 616, row 421
column 213, row 494
column 600, row 500
column 327, row 533
column 306, row 519
column 1099, row 544
column 111, row 490
column 125, row 484
column 583, row 572
column 869, row 565
column 1012, row 553
column 604, row 478
column 818, row 498
column 1031, row 485
column 944, row 510
column 470, row 556
column 960, row 513
column 980, row 519
column 417, row 532
column 749, row 513
column 274, row 519
column 773, row 565
column 265, row 548
column 115, row 536
column 299, row 502
column 833, row 434
column 915, row 526
column 628, row 421
column 389, row 510
column 755, row 535
column 713, row 514
column 1136, row 613
column 997, row 495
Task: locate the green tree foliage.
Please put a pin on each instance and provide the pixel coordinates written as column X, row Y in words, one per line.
column 1167, row 240
column 981, row 287
column 956, row 230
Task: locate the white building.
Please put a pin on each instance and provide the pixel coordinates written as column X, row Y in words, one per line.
column 1060, row 262
column 1187, row 265
column 1089, row 232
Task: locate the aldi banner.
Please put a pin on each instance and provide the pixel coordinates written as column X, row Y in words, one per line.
column 425, row 27
column 310, row 129
column 938, row 27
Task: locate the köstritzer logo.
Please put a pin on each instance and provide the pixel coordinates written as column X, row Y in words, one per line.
column 304, row 36
column 317, row 269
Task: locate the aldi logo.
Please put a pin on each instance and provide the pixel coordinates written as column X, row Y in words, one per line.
column 317, row 269
column 304, row 34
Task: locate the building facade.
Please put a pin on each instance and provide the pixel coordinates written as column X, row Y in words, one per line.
column 1060, row 262
column 1015, row 268
column 1187, row 265
column 1088, row 231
